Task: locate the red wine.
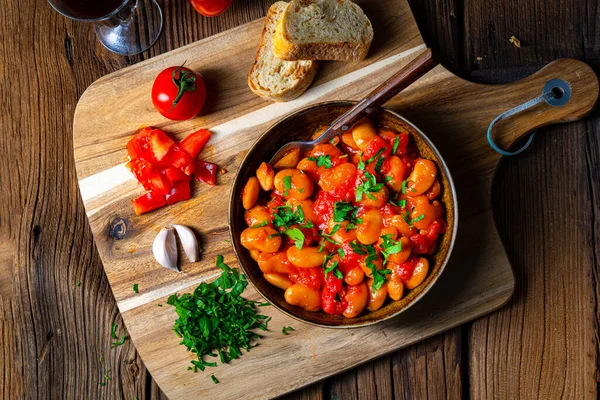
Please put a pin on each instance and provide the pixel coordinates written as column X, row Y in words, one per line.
column 87, row 9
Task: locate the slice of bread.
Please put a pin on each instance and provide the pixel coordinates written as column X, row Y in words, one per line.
column 323, row 30
column 272, row 78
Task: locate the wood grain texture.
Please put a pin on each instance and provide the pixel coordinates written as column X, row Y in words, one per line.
column 66, row 54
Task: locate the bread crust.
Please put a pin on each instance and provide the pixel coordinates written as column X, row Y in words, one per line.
column 304, row 74
column 286, row 49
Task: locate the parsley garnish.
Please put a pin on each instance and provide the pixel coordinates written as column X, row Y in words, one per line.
column 333, row 268
column 341, row 253
column 411, row 221
column 379, row 164
column 389, row 247
column 215, row 318
column 361, row 163
column 214, row 379
column 78, row 284
column 284, row 217
column 346, row 211
column 367, row 187
column 286, row 329
column 297, row 236
column 327, row 236
column 420, row 217
column 403, row 187
column 322, row 161
column 376, row 156
column 113, row 331
column 136, row 288
column 264, row 223
column 287, row 184
column 396, row 143
column 378, row 275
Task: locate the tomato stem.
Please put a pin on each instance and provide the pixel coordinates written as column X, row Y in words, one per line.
column 185, row 82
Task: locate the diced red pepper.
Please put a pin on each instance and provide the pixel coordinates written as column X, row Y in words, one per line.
column 178, row 159
column 179, row 192
column 420, row 245
column 194, row 142
column 206, row 172
column 311, row 277
column 148, row 202
column 141, row 170
column 323, row 206
column 159, row 183
column 175, row 175
column 350, row 260
column 150, row 145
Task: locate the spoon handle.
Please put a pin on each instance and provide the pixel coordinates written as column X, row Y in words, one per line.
column 384, row 92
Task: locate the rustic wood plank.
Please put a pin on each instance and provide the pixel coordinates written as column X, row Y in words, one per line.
column 546, row 351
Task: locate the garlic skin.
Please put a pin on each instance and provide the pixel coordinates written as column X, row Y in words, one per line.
column 165, row 249
column 188, row 241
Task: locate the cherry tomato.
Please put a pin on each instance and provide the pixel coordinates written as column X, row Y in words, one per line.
column 210, row 8
column 178, row 93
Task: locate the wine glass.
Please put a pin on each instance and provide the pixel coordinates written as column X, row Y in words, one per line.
column 125, row 27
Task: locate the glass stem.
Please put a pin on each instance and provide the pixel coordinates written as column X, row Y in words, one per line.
column 124, row 16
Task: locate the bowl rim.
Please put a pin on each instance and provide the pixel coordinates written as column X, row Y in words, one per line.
column 344, row 103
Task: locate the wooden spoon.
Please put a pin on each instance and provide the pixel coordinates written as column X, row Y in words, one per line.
column 384, row 92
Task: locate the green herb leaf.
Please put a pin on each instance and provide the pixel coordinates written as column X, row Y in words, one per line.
column 216, row 319
column 322, row 161
column 361, row 163
column 376, row 156
column 214, row 379
column 78, row 284
column 136, row 288
column 119, row 343
column 284, row 217
column 377, row 275
column 403, row 187
column 286, row 329
column 389, row 246
column 396, row 143
column 346, row 211
column 368, row 186
column 378, row 166
column 297, row 236
column 113, row 331
column 287, row 184
column 358, row 248
column 264, row 223
column 341, row 253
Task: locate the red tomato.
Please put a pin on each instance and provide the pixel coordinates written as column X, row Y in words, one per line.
column 175, row 175
column 206, row 172
column 374, row 146
column 210, row 8
column 351, row 259
column 194, row 142
column 179, row 159
column 311, row 277
column 148, row 202
column 179, row 192
column 332, row 288
column 406, row 269
column 150, row 145
column 178, row 93
column 159, row 183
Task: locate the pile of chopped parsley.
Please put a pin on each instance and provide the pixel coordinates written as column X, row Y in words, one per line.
column 216, row 321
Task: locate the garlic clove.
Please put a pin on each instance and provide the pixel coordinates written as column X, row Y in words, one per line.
column 165, row 249
column 188, row 241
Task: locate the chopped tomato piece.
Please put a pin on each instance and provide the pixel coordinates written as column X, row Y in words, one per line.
column 141, row 170
column 332, row 296
column 175, row 175
column 351, row 259
column 406, row 269
column 375, row 146
column 311, row 277
column 206, row 172
column 159, row 183
column 150, row 145
column 179, row 192
column 194, row 142
column 179, row 159
column 148, row 202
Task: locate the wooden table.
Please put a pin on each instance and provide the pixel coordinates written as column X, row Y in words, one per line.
column 543, row 344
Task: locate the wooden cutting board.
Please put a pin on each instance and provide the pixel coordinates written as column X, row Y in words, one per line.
column 453, row 112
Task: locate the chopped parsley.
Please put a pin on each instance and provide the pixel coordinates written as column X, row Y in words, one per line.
column 285, row 218
column 410, row 221
column 399, row 203
column 113, row 331
column 322, row 161
column 403, row 187
column 376, row 156
column 361, row 163
column 136, row 288
column 287, row 184
column 396, row 144
column 333, row 267
column 214, row 379
column 78, row 284
column 346, row 211
column 389, row 247
column 297, row 236
column 286, row 329
column 367, row 187
column 264, row 223
column 378, row 275
column 341, row 253
column 327, row 236
column 215, row 320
